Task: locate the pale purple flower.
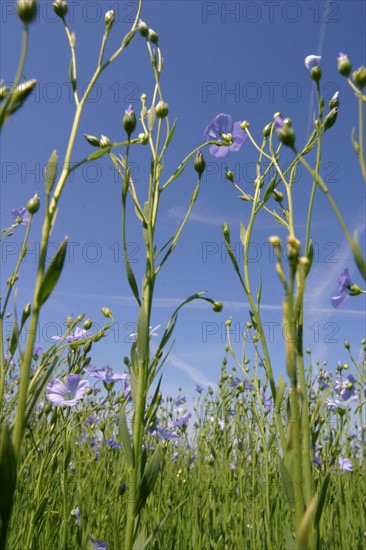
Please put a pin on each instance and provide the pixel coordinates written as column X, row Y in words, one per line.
column 20, row 215
column 78, row 334
column 166, row 434
column 312, row 61
column 37, row 352
column 346, row 387
column 98, row 544
column 107, row 375
column 221, row 125
column 344, row 283
column 112, row 443
column 8, row 360
column 267, row 402
column 278, row 123
column 76, row 514
column 198, row 389
column 221, row 424
column 347, row 393
column 345, row 464
column 180, row 401
column 68, row 393
column 180, row 422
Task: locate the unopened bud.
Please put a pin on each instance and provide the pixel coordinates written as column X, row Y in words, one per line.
column 60, row 8
column 154, row 37
column 143, row 28
column 21, row 93
column 330, row 119
column 347, row 345
column 230, row 175
column 129, row 121
column 344, row 65
column 109, row 19
column 217, row 306
column 104, row 141
column 244, row 125
column 316, row 73
column 334, row 102
column 87, row 324
column 199, row 163
column 359, row 77
column 26, row 313
column 286, row 135
column 162, row 109
column 277, row 195
column 27, row 10
column 33, row 204
column 144, row 138
column 106, row 312
column 267, row 130
column 92, row 140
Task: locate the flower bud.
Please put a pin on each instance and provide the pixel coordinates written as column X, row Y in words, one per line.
column 334, row 102
column 359, row 77
column 144, row 138
column 106, row 312
column 199, row 163
column 21, row 93
column 277, row 195
column 3, row 92
column 275, row 241
column 344, row 65
column 286, row 135
column 217, row 306
column 87, row 324
column 104, row 141
column 229, row 175
column 60, row 8
column 244, row 125
column 33, row 204
column 267, row 130
column 109, row 19
column 143, row 28
column 26, row 313
column 129, row 121
column 347, row 345
column 330, row 119
column 27, row 10
column 92, row 140
column 316, row 73
column 162, row 109
column 154, row 37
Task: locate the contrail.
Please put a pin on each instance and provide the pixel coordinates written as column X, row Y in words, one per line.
column 320, row 51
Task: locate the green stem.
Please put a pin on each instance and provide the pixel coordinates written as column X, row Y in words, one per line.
column 9, row 101
column 47, row 226
column 258, row 319
column 361, row 153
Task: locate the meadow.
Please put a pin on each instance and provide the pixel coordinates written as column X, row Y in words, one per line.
column 97, row 457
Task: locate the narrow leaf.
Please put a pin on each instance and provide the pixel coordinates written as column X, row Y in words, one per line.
column 124, row 436
column 50, row 172
column 148, row 479
column 321, row 501
column 52, row 274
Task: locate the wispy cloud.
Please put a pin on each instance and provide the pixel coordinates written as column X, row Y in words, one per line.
column 194, row 373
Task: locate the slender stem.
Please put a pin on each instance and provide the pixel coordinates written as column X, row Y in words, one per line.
column 47, row 226
column 9, row 101
column 361, row 153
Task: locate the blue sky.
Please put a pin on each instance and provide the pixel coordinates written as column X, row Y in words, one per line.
column 241, row 58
